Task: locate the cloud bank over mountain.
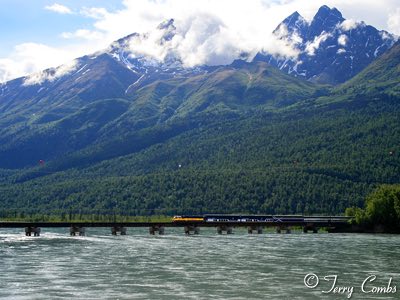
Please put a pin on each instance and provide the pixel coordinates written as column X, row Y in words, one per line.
column 206, row 31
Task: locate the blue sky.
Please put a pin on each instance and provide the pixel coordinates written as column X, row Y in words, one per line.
column 28, row 21
column 37, row 34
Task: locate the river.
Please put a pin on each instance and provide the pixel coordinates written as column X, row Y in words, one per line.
column 205, row 266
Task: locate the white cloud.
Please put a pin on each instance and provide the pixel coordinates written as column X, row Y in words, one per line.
column 50, row 74
column 31, row 58
column 58, row 8
column 199, row 39
column 83, row 34
column 245, row 27
column 94, row 12
column 314, row 45
column 282, row 33
column 209, row 31
column 350, row 24
column 342, row 40
column 394, row 22
column 373, row 12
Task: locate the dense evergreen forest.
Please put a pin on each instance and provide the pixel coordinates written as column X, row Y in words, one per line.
column 319, row 159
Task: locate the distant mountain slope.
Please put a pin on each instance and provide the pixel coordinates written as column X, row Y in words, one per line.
column 72, row 115
column 111, row 73
column 383, row 75
column 241, row 86
column 85, row 80
column 331, row 49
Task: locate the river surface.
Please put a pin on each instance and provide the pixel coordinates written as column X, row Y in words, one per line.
column 205, row 266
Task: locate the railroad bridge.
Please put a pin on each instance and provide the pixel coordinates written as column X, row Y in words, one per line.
column 282, row 225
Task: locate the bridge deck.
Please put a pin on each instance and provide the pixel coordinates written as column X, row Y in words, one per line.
column 320, row 222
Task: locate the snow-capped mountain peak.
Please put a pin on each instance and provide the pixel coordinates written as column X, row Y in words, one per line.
column 152, row 51
column 294, row 22
column 331, row 49
column 293, row 26
column 326, row 20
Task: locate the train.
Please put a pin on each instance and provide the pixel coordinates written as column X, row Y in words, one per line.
column 238, row 218
column 215, row 218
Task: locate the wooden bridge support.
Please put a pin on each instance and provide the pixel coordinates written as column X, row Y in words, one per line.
column 191, row 229
column 226, row 228
column 255, row 229
column 120, row 229
column 32, row 230
column 286, row 229
column 74, row 230
column 157, row 228
column 312, row 228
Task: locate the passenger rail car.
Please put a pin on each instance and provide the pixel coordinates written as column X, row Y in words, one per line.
column 239, row 218
column 252, row 218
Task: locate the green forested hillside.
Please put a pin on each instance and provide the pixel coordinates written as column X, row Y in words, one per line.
column 289, row 162
column 171, row 148
column 381, row 76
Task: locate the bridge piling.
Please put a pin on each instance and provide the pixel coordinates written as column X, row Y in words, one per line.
column 120, row 229
column 157, row 228
column 310, row 227
column 286, row 229
column 74, row 230
column 228, row 229
column 191, row 229
column 32, row 230
column 255, row 229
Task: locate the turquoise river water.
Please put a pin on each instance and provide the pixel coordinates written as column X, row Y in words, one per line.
column 205, row 266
